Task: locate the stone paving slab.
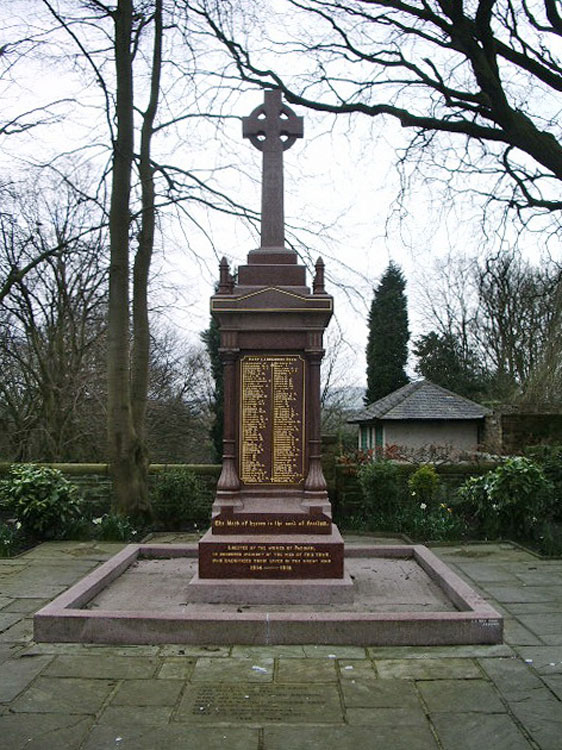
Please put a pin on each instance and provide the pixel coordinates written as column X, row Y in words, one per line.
column 511, row 676
column 25, row 606
column 335, row 652
column 7, row 620
column 542, row 719
column 59, row 696
column 555, row 684
column 172, row 738
column 543, row 624
column 356, row 669
column 546, row 660
column 90, row 649
column 306, row 670
column 21, row 632
column 427, row 669
column 139, row 729
column 162, row 692
column 552, row 640
column 350, row 738
column 91, row 550
column 380, row 694
column 176, row 668
column 27, row 588
column 189, row 650
column 233, row 670
column 516, row 594
column 467, row 731
column 442, row 652
column 519, row 635
column 9, row 650
column 454, row 696
column 43, row 731
column 392, row 717
column 73, row 695
column 18, row 673
column 107, row 666
column 254, row 652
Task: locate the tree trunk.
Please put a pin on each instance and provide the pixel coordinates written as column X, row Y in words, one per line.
column 143, row 257
column 128, row 462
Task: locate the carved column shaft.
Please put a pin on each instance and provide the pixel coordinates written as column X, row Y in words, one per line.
column 272, row 214
column 228, row 480
column 315, row 481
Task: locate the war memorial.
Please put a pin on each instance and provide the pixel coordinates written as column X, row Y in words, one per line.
column 272, row 568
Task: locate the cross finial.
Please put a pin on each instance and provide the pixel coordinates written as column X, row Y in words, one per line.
column 272, row 128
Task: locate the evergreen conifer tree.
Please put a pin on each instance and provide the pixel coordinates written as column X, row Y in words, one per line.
column 211, row 339
column 387, row 344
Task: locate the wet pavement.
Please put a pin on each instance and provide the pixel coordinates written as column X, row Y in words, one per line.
column 91, row 697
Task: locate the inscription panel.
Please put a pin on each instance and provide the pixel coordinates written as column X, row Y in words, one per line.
column 235, row 703
column 271, row 560
column 271, row 523
column 272, row 429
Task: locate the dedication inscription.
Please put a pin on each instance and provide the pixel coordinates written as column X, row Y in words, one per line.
column 272, row 559
column 271, row 419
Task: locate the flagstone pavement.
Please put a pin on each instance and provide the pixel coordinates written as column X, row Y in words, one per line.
column 89, row 697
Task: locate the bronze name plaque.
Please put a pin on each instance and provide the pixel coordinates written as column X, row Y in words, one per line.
column 272, row 429
column 271, row 560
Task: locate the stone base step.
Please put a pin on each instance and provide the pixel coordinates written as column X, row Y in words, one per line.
column 243, row 591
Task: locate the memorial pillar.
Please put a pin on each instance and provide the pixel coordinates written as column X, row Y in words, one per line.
column 228, row 480
column 315, row 485
column 272, row 538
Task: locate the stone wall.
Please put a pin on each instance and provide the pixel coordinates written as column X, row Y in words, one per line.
column 94, row 480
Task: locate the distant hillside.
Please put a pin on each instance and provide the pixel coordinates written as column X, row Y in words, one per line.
column 345, row 399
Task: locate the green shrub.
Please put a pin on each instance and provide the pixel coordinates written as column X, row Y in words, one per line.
column 41, row 499
column 180, row 500
column 114, row 528
column 430, row 524
column 514, row 500
column 379, row 486
column 10, row 539
column 424, row 485
column 549, row 458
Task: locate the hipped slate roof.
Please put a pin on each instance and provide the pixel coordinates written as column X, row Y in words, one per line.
column 421, row 400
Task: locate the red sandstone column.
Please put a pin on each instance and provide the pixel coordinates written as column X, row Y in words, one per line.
column 315, row 485
column 228, row 481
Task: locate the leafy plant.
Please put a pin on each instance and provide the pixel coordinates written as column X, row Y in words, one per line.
column 180, row 500
column 41, row 499
column 112, row 527
column 437, row 524
column 424, row 485
column 513, row 500
column 10, row 539
column 549, row 458
column 379, row 486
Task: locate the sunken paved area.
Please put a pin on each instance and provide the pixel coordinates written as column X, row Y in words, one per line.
column 292, row 697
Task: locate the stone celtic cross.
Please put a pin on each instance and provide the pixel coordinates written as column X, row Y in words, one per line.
column 272, row 128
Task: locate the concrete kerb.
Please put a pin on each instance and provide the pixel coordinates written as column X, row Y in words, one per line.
column 65, row 619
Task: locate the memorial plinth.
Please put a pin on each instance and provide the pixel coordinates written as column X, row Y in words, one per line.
column 271, row 519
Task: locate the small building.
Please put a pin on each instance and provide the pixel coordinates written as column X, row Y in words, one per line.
column 419, row 415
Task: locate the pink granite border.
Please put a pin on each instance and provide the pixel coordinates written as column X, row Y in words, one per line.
column 65, row 620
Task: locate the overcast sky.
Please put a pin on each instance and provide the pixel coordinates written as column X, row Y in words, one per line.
column 340, row 188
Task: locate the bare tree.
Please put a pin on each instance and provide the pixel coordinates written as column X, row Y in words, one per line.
column 179, row 400
column 477, row 83
column 498, row 316
column 129, row 52
column 516, row 314
column 52, row 324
